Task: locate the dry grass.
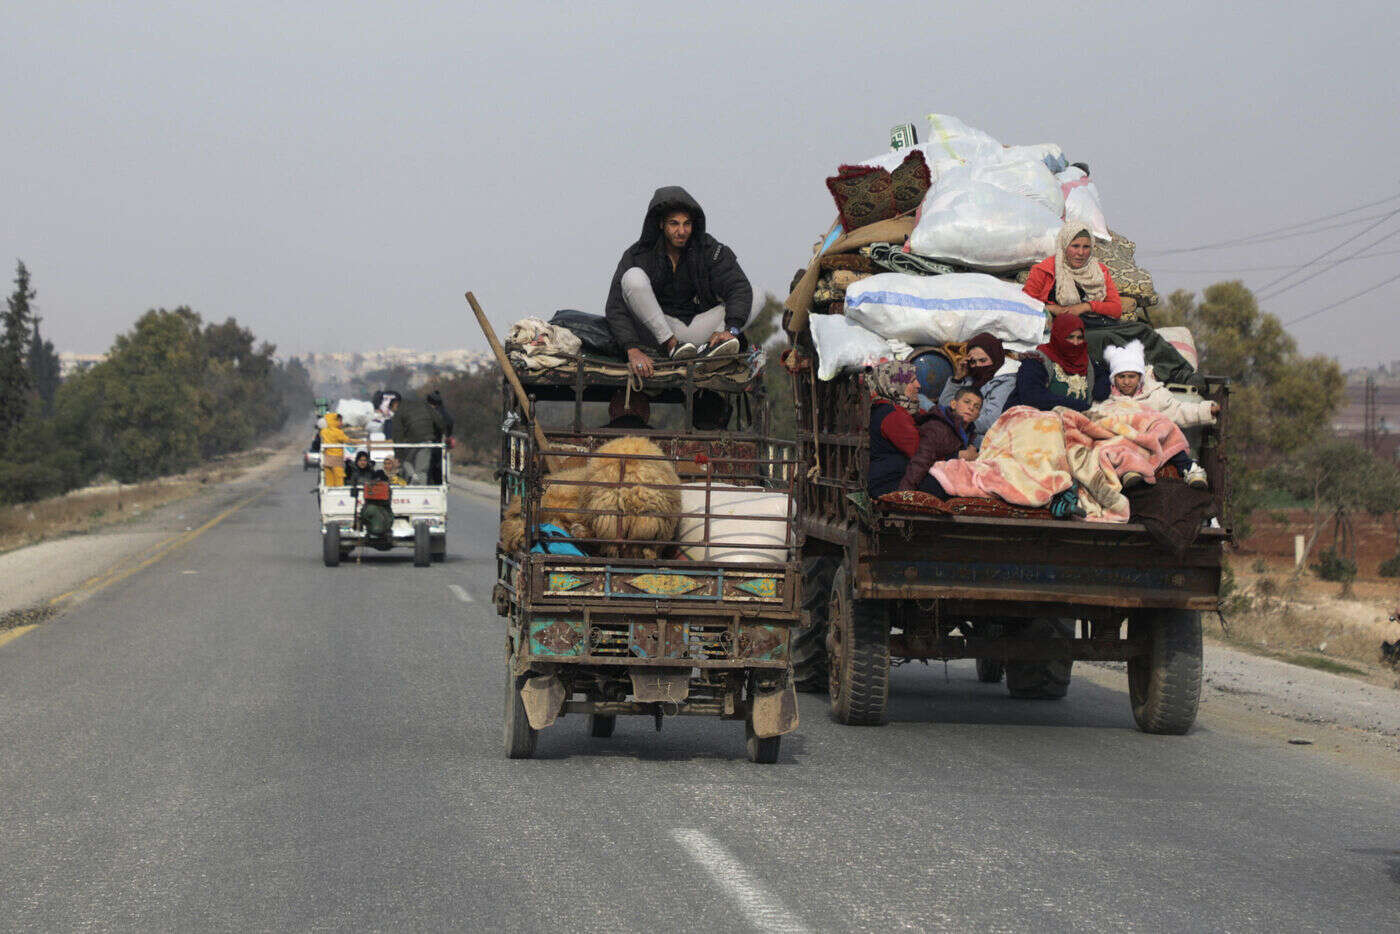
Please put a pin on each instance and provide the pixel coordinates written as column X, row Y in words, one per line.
column 109, row 503
column 1303, row 620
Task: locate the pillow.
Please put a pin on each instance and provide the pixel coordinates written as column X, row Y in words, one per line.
column 910, row 181
column 863, row 195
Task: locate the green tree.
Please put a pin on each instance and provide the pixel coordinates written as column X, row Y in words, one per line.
column 45, row 373
column 16, row 331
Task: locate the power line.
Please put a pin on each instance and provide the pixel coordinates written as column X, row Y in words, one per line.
column 1343, row 301
column 1328, row 268
column 1268, row 233
column 1324, row 254
column 1178, row 269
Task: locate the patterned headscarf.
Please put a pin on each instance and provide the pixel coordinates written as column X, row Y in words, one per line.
column 1068, row 280
column 887, row 381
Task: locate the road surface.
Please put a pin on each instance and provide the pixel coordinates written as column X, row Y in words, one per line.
column 238, row 738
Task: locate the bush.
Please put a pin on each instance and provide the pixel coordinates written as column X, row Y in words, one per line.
column 1331, row 566
column 1390, row 567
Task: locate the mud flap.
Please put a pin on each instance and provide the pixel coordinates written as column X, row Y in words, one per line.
column 660, row 685
column 775, row 710
column 543, row 696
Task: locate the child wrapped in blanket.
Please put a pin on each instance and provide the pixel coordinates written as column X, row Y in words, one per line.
column 1133, row 382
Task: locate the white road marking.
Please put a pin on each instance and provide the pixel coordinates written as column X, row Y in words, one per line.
column 461, row 592
column 764, row 911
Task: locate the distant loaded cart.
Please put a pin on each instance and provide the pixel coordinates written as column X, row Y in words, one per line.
column 384, row 505
column 647, row 562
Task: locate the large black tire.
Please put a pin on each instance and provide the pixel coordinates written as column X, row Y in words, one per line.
column 520, row 737
column 330, row 545
column 1041, row 680
column 1165, row 686
column 439, row 547
column 858, row 645
column 422, row 545
column 601, row 725
column 809, row 642
column 989, row 671
column 761, row 749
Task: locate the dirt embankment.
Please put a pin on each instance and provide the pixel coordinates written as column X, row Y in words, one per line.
column 1298, row 617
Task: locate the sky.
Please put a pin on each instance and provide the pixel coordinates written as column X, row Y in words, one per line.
column 337, row 175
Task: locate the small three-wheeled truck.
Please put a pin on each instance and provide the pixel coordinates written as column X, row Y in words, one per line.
column 384, row 516
column 702, row 629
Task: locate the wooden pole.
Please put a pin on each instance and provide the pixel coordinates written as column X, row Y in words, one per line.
column 504, row 362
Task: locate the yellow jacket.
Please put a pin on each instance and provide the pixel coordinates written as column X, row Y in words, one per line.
column 332, row 433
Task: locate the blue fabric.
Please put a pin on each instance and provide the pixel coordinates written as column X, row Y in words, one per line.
column 555, row 548
column 836, row 233
column 933, row 371
column 887, row 462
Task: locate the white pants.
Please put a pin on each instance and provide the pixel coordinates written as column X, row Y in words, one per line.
column 641, row 301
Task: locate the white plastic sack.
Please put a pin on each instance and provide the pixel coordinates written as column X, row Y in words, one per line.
column 842, row 344
column 950, row 138
column 1028, row 178
column 936, row 309
column 1082, row 204
column 1050, row 154
column 354, row 413
column 977, row 224
column 732, row 533
column 1184, row 342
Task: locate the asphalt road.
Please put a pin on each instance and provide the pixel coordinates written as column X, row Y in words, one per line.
column 237, row 738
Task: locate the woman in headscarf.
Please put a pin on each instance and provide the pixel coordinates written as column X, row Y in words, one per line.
column 894, row 399
column 990, row 372
column 1060, row 372
column 1072, row 281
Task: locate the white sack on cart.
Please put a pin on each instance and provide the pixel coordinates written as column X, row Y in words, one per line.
column 841, row 344
column 1082, row 202
column 950, row 138
column 354, row 413
column 977, row 224
column 1029, row 178
column 725, row 503
column 1050, row 154
column 936, row 309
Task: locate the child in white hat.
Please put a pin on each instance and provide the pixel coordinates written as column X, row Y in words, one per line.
column 1131, row 379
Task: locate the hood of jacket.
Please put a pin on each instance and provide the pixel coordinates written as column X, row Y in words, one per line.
column 332, row 419
column 667, row 199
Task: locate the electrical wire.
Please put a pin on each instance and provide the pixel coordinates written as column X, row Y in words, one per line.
column 1157, row 269
column 1324, row 254
column 1343, row 301
column 1250, row 238
column 1325, row 269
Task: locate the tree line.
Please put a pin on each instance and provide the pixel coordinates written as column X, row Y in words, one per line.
column 172, row 393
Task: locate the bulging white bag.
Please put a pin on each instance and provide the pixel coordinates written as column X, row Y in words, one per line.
column 936, row 309
column 1082, row 204
column 974, row 223
column 844, row 345
column 1029, row 178
column 950, row 138
column 354, row 413
column 1050, row 154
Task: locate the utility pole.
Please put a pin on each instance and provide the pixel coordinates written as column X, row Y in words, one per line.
column 1370, row 436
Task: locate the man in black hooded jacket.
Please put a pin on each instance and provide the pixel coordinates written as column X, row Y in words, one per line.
column 677, row 288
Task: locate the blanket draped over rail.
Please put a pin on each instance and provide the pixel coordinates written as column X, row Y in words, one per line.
column 1029, row 456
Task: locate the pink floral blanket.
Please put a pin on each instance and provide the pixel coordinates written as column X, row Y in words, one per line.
column 1029, row 456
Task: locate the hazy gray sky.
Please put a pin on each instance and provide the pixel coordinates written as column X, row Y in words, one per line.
column 336, row 175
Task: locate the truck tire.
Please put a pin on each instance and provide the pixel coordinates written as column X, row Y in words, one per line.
column 330, row 545
column 1048, row 680
column 858, row 649
column 520, row 737
column 1165, row 685
column 422, row 545
column 601, row 725
column 761, row 749
column 989, row 671
column 439, row 547
column 808, row 652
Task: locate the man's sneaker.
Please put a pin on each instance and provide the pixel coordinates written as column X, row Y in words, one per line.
column 1131, row 479
column 684, row 350
column 1196, row 477
column 723, row 348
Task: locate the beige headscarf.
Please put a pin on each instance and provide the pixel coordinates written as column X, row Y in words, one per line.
column 1088, row 277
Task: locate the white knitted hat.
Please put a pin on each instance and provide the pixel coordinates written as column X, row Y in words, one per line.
column 1126, row 359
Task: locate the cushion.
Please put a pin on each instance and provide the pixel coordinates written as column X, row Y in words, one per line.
column 863, row 195
column 928, row 504
column 910, row 181
column 857, row 262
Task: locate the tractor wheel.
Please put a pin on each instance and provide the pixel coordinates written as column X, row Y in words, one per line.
column 1165, row 685
column 330, row 544
column 858, row 649
column 520, row 737
column 1048, row 680
column 422, row 545
column 809, row 642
